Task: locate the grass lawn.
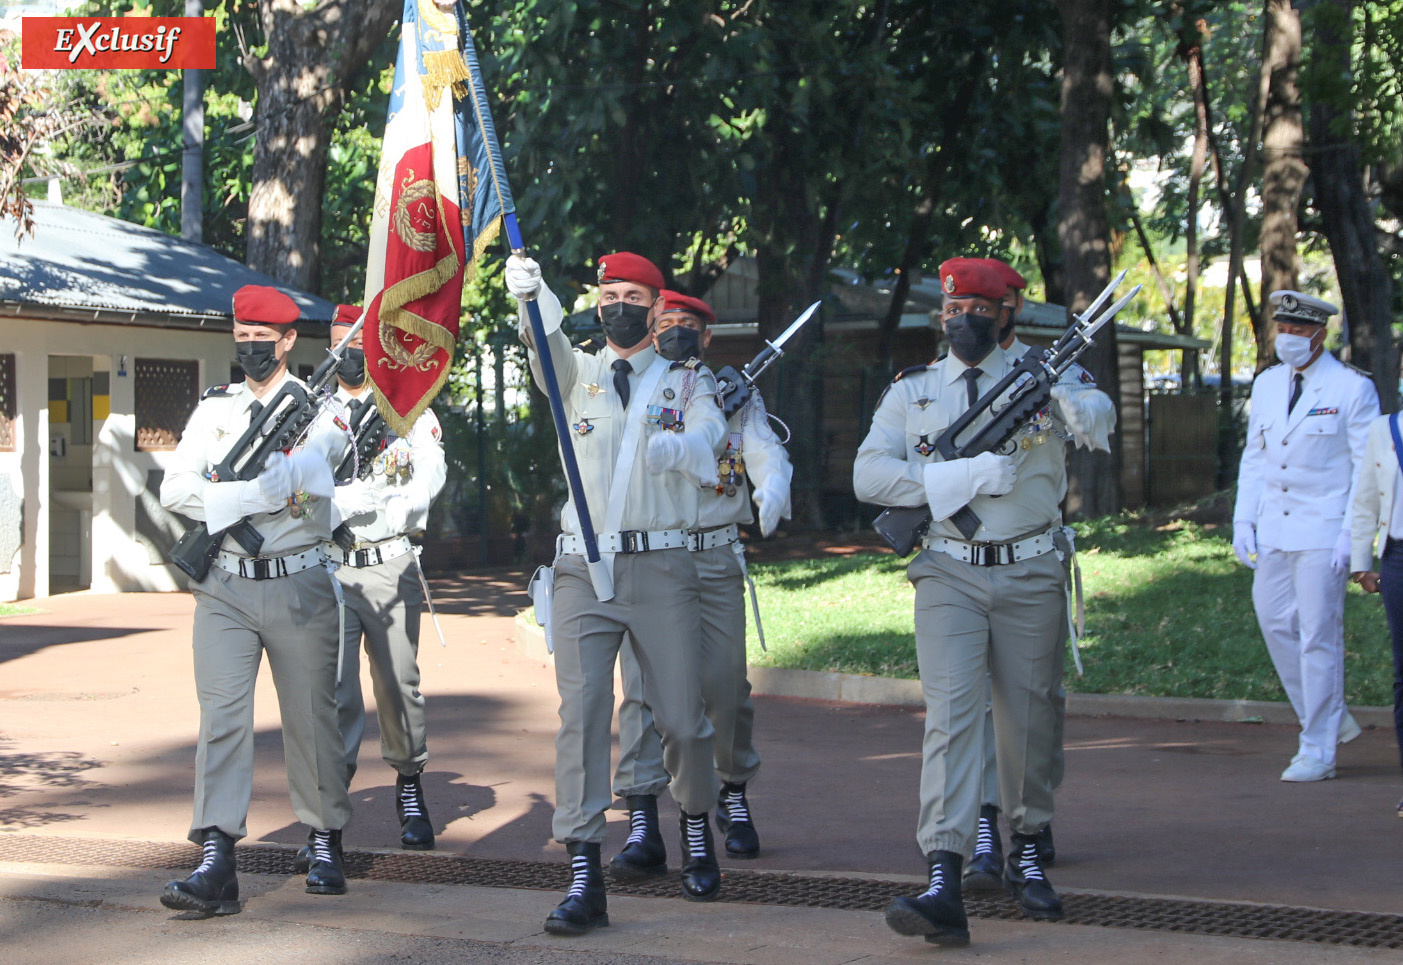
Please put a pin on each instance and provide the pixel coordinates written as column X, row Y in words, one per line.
column 14, row 609
column 1168, row 613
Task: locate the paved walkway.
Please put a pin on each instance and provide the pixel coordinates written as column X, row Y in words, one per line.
column 97, row 720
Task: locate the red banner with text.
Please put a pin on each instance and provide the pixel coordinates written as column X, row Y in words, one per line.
column 118, row 43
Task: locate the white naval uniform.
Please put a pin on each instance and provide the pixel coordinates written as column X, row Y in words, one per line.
column 725, row 688
column 656, row 599
column 1294, row 485
column 1004, row 623
column 292, row 618
column 384, row 596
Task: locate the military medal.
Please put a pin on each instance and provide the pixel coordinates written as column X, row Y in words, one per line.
column 925, row 447
column 669, row 394
column 922, row 403
column 730, row 467
column 669, row 419
column 583, row 427
column 592, row 388
column 402, row 461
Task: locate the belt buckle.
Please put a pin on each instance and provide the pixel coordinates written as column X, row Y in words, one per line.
column 695, row 542
column 634, row 541
column 988, row 555
column 260, row 568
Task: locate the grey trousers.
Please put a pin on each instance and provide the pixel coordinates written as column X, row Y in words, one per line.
column 657, row 603
column 725, row 689
column 1005, row 624
column 990, row 783
column 293, row 618
column 383, row 607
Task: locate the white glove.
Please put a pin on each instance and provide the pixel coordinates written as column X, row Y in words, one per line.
column 950, row 486
column 1244, row 543
column 228, row 502
column 666, row 451
column 523, row 277
column 396, row 512
column 355, row 499
column 1088, row 414
column 1339, row 562
column 311, row 472
column 771, row 505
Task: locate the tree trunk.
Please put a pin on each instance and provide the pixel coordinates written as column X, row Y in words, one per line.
column 1193, row 63
column 1338, row 174
column 1284, row 171
column 301, row 81
column 1093, row 478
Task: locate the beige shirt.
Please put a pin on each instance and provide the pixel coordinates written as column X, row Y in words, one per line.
column 748, row 433
column 918, row 407
column 412, row 467
column 215, row 425
column 597, row 421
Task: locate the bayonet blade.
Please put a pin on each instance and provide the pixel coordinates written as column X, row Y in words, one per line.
column 1106, row 293
column 795, row 326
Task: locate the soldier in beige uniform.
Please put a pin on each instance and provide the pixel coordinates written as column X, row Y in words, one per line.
column 384, row 595
column 996, row 605
column 646, row 434
column 282, row 602
column 753, row 452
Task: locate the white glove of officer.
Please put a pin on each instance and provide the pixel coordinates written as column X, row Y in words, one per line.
column 950, row 486
column 1339, row 561
column 356, row 498
column 228, row 502
column 311, row 473
column 403, row 513
column 666, row 451
column 770, row 500
column 523, row 277
column 1088, row 413
column 1244, row 542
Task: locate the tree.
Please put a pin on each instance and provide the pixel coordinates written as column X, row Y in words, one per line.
column 1284, row 168
column 30, row 119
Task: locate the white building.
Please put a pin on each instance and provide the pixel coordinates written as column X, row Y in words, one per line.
column 109, row 332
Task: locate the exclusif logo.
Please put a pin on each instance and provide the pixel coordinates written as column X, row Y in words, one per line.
column 117, row 43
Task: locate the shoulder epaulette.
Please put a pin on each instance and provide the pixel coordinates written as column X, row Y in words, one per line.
column 1358, row 371
column 686, row 364
column 910, row 371
column 215, row 392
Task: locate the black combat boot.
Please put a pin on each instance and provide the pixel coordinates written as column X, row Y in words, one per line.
column 1024, row 879
column 302, row 863
column 733, row 819
column 416, row 831
column 939, row 914
column 327, row 875
column 1047, row 851
column 585, row 906
column 214, row 888
column 986, row 869
column 701, row 875
column 644, row 854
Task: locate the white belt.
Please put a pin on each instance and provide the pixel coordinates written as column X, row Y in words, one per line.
column 381, row 553
column 993, row 554
column 269, row 567
column 629, row 541
column 712, row 538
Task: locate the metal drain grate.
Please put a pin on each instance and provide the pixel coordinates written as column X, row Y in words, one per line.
column 1359, row 929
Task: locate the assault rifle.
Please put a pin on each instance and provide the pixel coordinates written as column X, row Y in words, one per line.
column 284, row 419
column 369, row 431
column 1022, row 393
column 735, row 387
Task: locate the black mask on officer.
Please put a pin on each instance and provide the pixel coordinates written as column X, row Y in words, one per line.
column 971, row 337
column 352, row 370
column 1006, row 329
column 679, row 343
column 258, row 359
column 624, row 324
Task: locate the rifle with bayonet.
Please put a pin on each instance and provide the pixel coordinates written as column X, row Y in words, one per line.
column 369, row 431
column 283, row 421
column 1022, row 394
column 735, row 387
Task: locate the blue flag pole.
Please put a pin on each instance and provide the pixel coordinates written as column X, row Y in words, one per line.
column 600, row 574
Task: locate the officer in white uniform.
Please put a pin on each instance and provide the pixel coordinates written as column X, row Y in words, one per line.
column 754, row 455
column 994, row 606
column 646, row 433
column 384, row 592
column 1305, row 444
column 282, row 602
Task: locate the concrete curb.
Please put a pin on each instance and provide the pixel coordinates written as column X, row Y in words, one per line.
column 862, row 689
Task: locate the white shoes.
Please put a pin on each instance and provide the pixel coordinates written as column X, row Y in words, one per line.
column 1349, row 728
column 1304, row 768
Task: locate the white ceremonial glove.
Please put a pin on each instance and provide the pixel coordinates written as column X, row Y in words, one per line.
column 355, row 499
column 951, row 485
column 771, row 505
column 227, row 503
column 666, row 451
column 1339, row 562
column 523, row 277
column 1244, row 543
column 396, row 512
column 1088, row 413
column 311, row 472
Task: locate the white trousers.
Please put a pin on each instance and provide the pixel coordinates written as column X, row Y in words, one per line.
column 1300, row 602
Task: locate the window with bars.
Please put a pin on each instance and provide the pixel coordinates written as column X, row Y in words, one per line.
column 8, row 407
column 167, row 391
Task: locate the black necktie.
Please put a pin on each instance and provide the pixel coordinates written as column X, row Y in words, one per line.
column 356, row 406
column 621, row 371
column 254, row 408
column 971, row 376
column 1295, row 392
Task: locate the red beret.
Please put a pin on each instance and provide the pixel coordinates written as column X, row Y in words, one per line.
column 965, row 277
column 346, row 315
column 626, row 266
column 261, row 305
column 1006, row 271
column 678, row 302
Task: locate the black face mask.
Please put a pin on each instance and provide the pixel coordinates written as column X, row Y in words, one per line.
column 352, row 370
column 971, row 337
column 258, row 359
column 679, row 343
column 625, row 325
column 1007, row 328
